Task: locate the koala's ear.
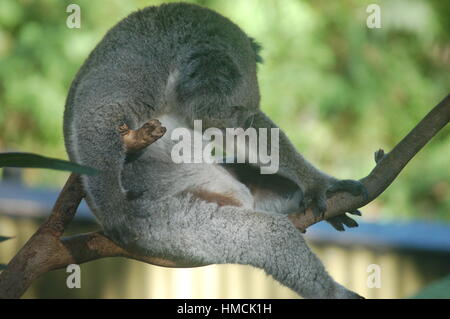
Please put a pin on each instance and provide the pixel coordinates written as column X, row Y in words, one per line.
column 229, row 112
column 256, row 48
column 239, row 111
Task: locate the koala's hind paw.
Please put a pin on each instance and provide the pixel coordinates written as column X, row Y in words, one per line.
column 136, row 140
column 356, row 188
column 339, row 222
column 316, row 200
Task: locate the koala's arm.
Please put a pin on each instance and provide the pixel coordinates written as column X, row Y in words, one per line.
column 315, row 185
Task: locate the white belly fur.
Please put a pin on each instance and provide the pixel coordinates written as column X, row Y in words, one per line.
column 209, row 177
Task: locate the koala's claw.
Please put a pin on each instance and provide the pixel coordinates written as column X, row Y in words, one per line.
column 338, row 222
column 356, row 212
column 356, row 188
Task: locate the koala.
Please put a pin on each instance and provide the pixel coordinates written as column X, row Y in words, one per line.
column 178, row 63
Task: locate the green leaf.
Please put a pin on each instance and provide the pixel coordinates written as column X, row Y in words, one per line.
column 439, row 289
column 37, row 161
column 3, row 238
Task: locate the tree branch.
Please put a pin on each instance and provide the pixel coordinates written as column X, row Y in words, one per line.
column 46, row 250
column 387, row 169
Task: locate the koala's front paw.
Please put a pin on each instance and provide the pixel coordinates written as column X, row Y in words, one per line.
column 316, row 199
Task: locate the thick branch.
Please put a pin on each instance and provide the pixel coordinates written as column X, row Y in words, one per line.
column 46, row 251
column 33, row 259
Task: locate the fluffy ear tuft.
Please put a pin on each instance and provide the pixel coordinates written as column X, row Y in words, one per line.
column 207, row 71
column 256, row 46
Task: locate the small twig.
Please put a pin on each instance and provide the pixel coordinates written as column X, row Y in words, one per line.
column 136, row 140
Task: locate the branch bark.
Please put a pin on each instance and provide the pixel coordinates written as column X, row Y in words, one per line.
column 46, row 250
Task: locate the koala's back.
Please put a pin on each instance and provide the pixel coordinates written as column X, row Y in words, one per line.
column 150, row 43
column 135, row 60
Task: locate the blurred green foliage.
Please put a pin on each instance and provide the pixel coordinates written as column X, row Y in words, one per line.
column 339, row 89
column 437, row 290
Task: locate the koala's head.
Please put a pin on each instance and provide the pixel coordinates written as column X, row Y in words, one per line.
column 216, row 79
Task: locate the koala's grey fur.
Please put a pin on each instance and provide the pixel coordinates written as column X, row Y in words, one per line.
column 177, row 63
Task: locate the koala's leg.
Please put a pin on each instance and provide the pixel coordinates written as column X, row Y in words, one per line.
column 277, row 194
column 271, row 192
column 187, row 228
column 315, row 185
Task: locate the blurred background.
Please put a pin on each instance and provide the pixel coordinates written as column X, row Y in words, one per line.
column 338, row 89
